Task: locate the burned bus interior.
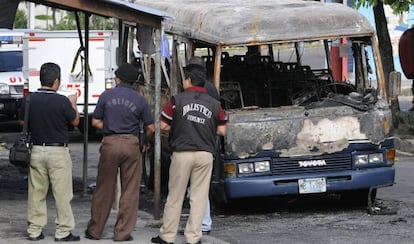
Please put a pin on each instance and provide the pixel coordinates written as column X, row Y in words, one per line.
column 291, row 74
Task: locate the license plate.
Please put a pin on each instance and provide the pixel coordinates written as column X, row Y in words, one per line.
column 313, row 185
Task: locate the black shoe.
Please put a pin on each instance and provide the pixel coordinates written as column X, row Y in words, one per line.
column 205, row 232
column 158, row 239
column 199, row 242
column 89, row 236
column 69, row 237
column 37, row 238
column 128, row 238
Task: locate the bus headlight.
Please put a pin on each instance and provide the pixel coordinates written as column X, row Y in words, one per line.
column 376, row 158
column 254, row 167
column 373, row 158
column 263, row 166
column 246, row 168
column 361, row 159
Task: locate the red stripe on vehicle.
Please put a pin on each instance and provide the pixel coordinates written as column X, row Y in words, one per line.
column 34, row 73
column 37, row 39
column 95, row 39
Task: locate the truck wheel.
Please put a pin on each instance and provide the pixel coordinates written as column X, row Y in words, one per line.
column 358, row 197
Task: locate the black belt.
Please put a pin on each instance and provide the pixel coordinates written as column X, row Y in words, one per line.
column 119, row 134
column 51, row 144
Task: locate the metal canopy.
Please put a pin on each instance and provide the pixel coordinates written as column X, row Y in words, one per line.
column 241, row 22
column 118, row 9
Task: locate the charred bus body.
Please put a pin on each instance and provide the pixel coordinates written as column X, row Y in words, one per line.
column 295, row 126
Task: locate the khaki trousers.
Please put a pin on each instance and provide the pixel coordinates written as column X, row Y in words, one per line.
column 196, row 167
column 50, row 165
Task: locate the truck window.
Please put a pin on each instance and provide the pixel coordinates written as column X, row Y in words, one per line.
column 11, row 61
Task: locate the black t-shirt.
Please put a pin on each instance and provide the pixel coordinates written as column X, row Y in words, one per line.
column 50, row 116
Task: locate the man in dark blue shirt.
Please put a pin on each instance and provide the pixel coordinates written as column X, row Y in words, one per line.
column 118, row 114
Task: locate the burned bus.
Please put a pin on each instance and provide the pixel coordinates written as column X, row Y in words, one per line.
column 304, row 90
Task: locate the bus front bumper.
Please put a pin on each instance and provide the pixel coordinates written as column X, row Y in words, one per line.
column 288, row 184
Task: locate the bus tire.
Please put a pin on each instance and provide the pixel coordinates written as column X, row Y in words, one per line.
column 358, row 197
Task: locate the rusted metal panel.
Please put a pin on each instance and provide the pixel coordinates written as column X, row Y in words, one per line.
column 297, row 131
column 382, row 91
column 269, row 21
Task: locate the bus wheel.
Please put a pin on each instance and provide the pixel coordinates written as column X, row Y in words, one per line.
column 358, row 197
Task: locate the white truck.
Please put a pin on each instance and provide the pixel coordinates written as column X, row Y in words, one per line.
column 11, row 76
column 61, row 47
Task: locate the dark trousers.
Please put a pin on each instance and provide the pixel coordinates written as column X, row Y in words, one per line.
column 117, row 151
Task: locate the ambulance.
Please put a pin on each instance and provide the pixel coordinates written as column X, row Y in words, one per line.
column 65, row 49
column 11, row 76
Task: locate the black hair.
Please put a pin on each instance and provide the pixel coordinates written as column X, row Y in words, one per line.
column 49, row 72
column 196, row 73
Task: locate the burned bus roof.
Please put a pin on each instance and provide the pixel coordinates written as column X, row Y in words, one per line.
column 240, row 22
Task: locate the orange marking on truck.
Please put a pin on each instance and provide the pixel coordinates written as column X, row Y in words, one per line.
column 96, row 39
column 37, row 39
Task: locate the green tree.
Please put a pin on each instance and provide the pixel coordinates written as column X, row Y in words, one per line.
column 384, row 40
column 20, row 21
column 102, row 23
column 398, row 6
column 68, row 22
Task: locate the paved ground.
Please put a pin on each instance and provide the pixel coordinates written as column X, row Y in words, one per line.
column 13, row 205
column 13, row 200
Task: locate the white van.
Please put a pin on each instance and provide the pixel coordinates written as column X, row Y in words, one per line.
column 62, row 48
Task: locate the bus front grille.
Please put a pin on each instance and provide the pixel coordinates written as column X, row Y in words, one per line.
column 314, row 164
